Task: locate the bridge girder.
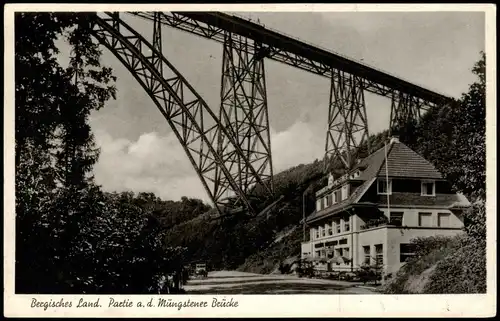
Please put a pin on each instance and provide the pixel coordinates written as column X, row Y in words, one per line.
column 408, row 101
column 183, row 108
column 213, row 25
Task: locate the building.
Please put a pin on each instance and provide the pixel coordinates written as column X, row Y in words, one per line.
column 370, row 214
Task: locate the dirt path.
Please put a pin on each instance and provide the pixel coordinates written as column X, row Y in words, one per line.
column 234, row 282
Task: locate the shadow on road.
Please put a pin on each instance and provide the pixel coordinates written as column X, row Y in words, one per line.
column 275, row 288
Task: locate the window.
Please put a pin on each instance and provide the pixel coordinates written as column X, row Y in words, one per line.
column 346, row 253
column 428, row 188
column 338, row 252
column 321, row 231
column 317, row 233
column 318, row 205
column 346, row 225
column 317, row 253
column 335, row 197
column 425, row 219
column 329, row 200
column 337, row 226
column 366, row 252
column 384, row 187
column 322, row 203
column 444, row 219
column 406, row 251
column 396, row 218
column 379, row 254
column 330, row 230
column 345, row 190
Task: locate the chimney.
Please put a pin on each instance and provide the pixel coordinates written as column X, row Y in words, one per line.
column 394, row 139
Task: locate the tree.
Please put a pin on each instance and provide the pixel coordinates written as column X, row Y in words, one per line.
column 453, row 137
column 54, row 146
column 70, row 236
column 470, row 167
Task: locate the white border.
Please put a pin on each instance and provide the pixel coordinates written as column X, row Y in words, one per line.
column 261, row 305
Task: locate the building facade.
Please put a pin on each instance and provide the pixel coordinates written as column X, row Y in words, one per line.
column 369, row 215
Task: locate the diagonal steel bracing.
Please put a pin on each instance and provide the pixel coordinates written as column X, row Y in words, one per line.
column 405, row 108
column 195, row 125
column 347, row 127
column 244, row 113
column 347, row 120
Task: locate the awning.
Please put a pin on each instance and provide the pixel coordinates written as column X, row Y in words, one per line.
column 317, row 259
column 339, row 259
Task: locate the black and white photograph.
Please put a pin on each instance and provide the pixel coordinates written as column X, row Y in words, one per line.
column 190, row 157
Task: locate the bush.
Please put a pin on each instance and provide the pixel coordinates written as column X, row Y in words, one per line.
column 305, row 269
column 428, row 251
column 284, row 268
column 458, row 263
column 465, row 270
column 368, row 273
column 462, row 272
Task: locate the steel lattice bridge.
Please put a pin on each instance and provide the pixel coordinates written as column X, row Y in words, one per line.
column 231, row 150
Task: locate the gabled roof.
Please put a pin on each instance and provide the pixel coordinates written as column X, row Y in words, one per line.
column 402, row 162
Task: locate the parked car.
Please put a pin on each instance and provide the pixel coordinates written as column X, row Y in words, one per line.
column 201, row 269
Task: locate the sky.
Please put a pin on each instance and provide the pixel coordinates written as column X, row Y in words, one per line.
column 140, row 153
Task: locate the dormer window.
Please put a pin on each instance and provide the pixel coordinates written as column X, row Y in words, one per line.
column 428, row 188
column 384, row 187
column 355, row 175
column 329, row 200
column 345, row 192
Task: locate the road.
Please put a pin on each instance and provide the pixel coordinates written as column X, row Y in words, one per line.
column 234, row 282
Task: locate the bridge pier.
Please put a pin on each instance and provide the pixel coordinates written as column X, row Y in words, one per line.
column 347, row 119
column 243, row 111
column 406, row 113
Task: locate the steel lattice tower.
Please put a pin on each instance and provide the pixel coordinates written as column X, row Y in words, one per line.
column 244, row 113
column 347, row 120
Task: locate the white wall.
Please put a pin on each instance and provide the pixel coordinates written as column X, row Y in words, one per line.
column 410, row 216
column 306, row 248
column 371, row 238
column 397, row 236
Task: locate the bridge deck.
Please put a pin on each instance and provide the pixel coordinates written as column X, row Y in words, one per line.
column 292, row 51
